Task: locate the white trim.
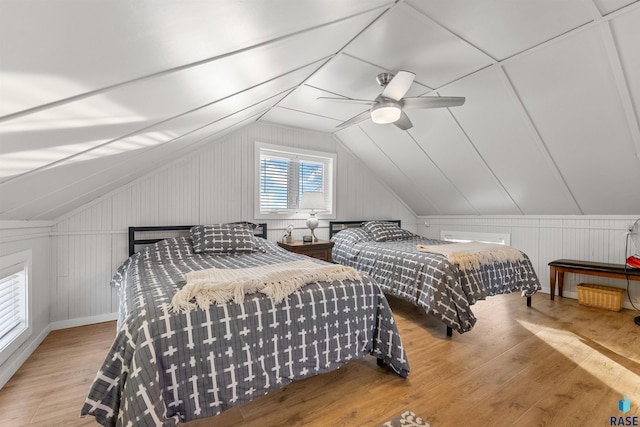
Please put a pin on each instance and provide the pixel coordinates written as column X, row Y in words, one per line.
column 21, row 357
column 534, row 221
column 373, row 175
column 12, row 367
column 23, row 237
column 13, row 225
column 15, row 340
column 83, row 321
column 87, row 233
column 288, row 150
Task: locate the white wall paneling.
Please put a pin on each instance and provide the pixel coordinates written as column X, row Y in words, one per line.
column 213, row 184
column 595, row 238
column 17, row 236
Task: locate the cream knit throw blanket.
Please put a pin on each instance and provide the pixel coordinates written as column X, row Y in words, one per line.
column 471, row 255
column 277, row 281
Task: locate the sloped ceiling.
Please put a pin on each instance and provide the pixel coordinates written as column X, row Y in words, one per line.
column 96, row 94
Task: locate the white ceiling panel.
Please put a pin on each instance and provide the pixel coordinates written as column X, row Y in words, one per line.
column 503, row 28
column 124, row 166
column 439, row 136
column 51, row 135
column 300, row 119
column 607, row 6
column 57, row 133
column 107, row 161
column 66, row 47
column 167, row 95
column 418, row 171
column 551, row 124
column 348, row 77
column 626, row 33
column 404, row 39
column 377, row 161
column 570, row 93
column 305, row 98
column 494, row 121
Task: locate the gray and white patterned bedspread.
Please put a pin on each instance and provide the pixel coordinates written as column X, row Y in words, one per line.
column 430, row 281
column 166, row 367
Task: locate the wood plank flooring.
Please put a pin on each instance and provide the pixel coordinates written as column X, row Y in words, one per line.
column 555, row 364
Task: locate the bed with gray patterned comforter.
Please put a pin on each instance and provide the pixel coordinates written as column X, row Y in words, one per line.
column 429, row 280
column 165, row 367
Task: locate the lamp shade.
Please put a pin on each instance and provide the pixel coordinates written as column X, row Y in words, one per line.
column 385, row 112
column 312, row 200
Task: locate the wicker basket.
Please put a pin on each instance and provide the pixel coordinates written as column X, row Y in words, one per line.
column 600, row 296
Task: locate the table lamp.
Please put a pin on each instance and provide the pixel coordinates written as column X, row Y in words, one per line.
column 314, row 201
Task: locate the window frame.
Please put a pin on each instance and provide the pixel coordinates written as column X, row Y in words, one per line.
column 10, row 343
column 329, row 176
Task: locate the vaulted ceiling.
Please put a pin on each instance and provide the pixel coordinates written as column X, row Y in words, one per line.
column 95, row 94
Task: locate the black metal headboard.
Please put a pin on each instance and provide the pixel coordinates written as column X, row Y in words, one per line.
column 260, row 231
column 336, row 226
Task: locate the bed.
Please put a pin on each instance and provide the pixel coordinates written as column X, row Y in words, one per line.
column 389, row 254
column 167, row 367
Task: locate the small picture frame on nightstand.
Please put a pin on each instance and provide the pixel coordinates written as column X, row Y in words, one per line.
column 307, row 239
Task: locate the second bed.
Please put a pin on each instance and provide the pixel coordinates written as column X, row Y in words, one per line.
column 444, row 289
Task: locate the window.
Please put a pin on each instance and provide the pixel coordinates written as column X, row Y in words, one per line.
column 14, row 313
column 285, row 173
column 468, row 236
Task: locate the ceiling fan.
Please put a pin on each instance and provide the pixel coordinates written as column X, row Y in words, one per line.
column 389, row 106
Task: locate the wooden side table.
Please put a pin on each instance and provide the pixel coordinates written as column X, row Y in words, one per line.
column 319, row 250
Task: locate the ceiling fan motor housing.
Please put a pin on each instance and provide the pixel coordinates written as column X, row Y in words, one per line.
column 383, row 79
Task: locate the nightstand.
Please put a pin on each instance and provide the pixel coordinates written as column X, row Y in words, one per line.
column 319, row 250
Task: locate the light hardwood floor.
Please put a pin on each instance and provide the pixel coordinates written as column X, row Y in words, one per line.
column 555, row 364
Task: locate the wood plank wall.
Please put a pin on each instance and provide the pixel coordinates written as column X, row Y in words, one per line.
column 213, row 184
column 546, row 238
column 18, row 236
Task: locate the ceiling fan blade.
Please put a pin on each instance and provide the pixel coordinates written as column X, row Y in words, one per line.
column 356, row 119
column 433, row 101
column 399, row 85
column 403, row 122
column 347, row 100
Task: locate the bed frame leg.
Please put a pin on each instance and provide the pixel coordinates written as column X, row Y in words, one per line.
column 449, row 331
column 529, row 301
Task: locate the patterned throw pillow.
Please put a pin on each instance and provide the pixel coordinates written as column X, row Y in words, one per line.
column 351, row 236
column 222, row 238
column 383, row 231
column 246, row 224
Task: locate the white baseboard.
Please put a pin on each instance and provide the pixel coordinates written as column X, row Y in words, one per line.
column 72, row 323
column 22, row 356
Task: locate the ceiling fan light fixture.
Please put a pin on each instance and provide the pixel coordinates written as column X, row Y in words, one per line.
column 385, row 112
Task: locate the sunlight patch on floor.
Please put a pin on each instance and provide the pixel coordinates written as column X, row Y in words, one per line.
column 595, row 363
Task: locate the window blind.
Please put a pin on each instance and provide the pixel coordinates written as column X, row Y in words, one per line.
column 12, row 284
column 285, row 176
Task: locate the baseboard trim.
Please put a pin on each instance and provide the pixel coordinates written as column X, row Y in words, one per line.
column 22, row 356
column 83, row 321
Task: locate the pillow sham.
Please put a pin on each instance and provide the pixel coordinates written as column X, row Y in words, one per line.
column 222, row 238
column 351, row 236
column 246, row 224
column 383, row 231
